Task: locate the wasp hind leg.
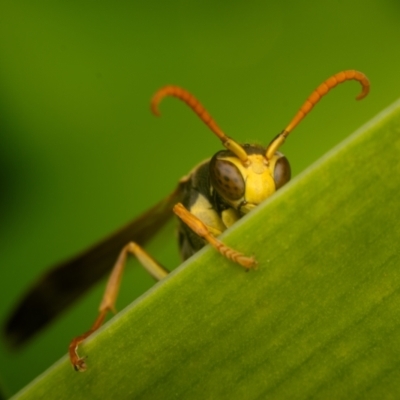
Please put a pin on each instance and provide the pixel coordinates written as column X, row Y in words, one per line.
column 111, row 292
column 198, row 227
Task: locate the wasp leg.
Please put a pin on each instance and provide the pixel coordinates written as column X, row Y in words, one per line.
column 204, row 232
column 111, row 292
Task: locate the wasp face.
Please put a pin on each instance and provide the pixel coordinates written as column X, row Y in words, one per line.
column 243, row 187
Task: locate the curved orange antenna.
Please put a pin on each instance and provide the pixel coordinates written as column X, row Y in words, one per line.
column 314, row 98
column 197, row 107
column 324, row 88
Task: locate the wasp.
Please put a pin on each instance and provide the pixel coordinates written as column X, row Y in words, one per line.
column 210, row 199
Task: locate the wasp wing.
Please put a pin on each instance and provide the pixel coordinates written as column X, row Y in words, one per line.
column 66, row 282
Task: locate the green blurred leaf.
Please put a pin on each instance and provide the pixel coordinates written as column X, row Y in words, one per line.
column 318, row 319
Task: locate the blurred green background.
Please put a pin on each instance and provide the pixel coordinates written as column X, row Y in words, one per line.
column 80, row 153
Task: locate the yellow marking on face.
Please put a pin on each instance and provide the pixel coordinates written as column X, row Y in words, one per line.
column 259, row 181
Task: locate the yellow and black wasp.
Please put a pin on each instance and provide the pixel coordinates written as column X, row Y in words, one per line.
column 211, row 198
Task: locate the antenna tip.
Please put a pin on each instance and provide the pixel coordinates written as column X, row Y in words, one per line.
column 154, row 106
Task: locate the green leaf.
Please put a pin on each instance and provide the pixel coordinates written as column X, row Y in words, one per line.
column 318, row 319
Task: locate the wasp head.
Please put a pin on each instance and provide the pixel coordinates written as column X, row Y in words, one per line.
column 243, row 186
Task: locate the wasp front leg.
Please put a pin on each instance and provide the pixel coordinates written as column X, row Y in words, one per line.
column 111, row 292
column 198, row 227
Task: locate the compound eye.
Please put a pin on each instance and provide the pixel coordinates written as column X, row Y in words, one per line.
column 281, row 172
column 226, row 179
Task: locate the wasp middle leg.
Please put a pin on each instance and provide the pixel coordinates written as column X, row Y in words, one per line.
column 111, row 292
